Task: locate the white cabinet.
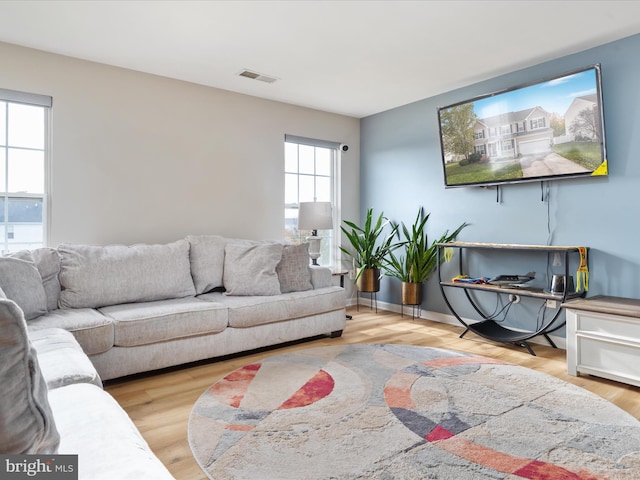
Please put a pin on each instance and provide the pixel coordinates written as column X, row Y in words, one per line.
column 603, row 338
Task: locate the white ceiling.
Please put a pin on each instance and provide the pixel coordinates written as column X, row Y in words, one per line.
column 355, row 58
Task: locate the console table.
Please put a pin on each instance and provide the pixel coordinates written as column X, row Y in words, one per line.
column 603, row 338
column 487, row 327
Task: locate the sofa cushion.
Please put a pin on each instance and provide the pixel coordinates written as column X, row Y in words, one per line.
column 206, row 255
column 251, row 269
column 47, row 262
column 321, row 277
column 27, row 425
column 151, row 322
column 61, row 359
column 250, row 311
column 94, row 276
column 93, row 426
column 22, row 283
column 293, row 270
column 92, row 330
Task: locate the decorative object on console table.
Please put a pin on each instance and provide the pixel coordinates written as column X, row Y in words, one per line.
column 419, row 261
column 369, row 247
column 314, row 216
column 495, row 329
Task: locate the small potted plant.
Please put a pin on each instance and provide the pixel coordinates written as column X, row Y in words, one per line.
column 369, row 247
column 420, row 258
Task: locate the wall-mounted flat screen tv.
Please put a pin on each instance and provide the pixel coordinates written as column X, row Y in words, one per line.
column 546, row 130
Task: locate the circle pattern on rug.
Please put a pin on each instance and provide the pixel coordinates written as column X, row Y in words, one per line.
column 400, row 411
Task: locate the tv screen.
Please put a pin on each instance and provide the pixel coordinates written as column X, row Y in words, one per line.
column 546, row 130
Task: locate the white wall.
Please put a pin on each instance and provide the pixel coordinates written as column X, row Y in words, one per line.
column 143, row 158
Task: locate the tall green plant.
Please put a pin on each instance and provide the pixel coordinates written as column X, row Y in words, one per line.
column 369, row 245
column 421, row 257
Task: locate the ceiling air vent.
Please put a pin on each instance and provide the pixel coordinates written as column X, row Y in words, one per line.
column 257, row 76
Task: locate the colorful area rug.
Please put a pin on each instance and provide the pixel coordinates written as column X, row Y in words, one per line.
column 406, row 412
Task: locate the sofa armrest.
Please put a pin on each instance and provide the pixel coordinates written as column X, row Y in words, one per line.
column 320, row 277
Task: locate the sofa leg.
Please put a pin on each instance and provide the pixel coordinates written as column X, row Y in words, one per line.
column 336, row 334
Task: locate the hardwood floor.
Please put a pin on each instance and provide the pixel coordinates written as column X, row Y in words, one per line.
column 159, row 404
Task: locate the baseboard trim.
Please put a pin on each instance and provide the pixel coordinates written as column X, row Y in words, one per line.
column 451, row 320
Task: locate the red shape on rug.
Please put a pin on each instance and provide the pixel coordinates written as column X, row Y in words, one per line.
column 438, row 433
column 232, row 388
column 545, row 471
column 315, row 389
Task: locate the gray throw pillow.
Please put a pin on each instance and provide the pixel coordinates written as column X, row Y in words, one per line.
column 206, row 255
column 26, row 422
column 293, row 270
column 47, row 262
column 22, row 283
column 251, row 269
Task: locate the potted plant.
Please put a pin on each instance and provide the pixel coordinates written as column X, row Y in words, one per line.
column 369, row 247
column 420, row 258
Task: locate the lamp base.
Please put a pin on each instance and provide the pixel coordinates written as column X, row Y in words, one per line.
column 314, row 249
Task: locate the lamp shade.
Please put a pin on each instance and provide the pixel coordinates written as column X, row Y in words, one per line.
column 315, row 216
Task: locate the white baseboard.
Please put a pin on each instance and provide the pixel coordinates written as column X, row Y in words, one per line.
column 451, row 320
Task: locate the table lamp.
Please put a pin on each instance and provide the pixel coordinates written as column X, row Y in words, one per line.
column 314, row 216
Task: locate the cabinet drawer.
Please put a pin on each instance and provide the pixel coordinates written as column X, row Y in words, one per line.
column 609, row 359
column 608, row 325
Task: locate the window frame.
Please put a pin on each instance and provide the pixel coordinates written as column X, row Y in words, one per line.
column 34, row 100
column 334, row 238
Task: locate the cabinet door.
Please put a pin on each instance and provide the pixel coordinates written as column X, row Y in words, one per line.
column 603, row 345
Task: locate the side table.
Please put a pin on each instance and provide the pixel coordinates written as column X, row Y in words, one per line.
column 341, row 273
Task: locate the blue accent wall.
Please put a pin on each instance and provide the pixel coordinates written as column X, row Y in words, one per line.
column 401, row 170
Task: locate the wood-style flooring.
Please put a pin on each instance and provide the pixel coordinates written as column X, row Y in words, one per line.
column 159, row 404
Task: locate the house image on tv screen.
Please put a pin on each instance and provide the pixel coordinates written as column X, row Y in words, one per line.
column 515, row 133
column 581, row 120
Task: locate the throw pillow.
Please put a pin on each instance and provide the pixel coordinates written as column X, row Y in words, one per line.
column 47, row 262
column 206, row 254
column 251, row 269
column 293, row 270
column 26, row 422
column 22, row 283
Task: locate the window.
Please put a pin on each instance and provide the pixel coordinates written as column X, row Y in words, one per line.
column 479, row 134
column 505, row 129
column 24, row 138
column 538, row 123
column 309, row 176
column 507, row 145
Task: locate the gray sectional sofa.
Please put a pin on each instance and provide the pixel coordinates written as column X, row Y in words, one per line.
column 53, row 403
column 74, row 316
column 145, row 307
